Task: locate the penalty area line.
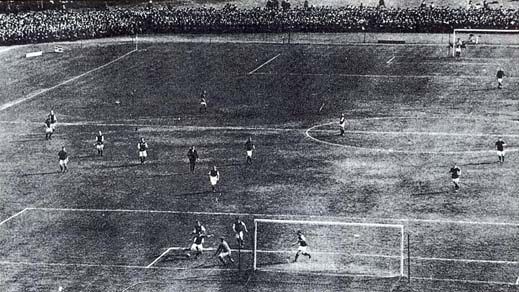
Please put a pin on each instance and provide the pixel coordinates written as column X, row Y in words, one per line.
column 15, row 215
column 159, row 258
column 262, row 65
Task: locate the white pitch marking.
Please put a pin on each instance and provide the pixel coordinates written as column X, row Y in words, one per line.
column 158, row 259
column 390, row 60
column 436, row 221
column 463, row 281
column 39, row 92
column 420, row 133
column 383, row 76
column 262, row 65
column 15, row 215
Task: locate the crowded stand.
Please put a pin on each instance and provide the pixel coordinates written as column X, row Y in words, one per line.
column 86, row 23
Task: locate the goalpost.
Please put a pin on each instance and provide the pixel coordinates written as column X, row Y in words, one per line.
column 484, row 37
column 342, row 248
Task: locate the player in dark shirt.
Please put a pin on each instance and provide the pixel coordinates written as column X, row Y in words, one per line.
column 214, row 177
column 203, row 102
column 455, row 174
column 303, row 246
column 192, row 155
column 48, row 129
column 500, row 74
column 342, row 124
column 500, row 148
column 63, row 159
column 100, row 143
column 142, row 146
column 239, row 228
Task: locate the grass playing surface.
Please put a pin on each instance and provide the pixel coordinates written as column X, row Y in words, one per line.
column 411, row 112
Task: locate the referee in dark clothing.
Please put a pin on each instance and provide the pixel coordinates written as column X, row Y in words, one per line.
column 193, row 156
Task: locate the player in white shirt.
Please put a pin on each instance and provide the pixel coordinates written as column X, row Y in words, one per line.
column 223, row 251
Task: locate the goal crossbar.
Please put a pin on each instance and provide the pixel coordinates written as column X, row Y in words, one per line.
column 400, row 228
column 475, row 30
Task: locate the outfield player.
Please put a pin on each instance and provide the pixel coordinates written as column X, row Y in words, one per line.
column 142, row 146
column 223, row 251
column 239, row 228
column 53, row 120
column 500, row 74
column 63, row 159
column 192, row 155
column 500, row 148
column 214, row 177
column 342, row 124
column 303, row 246
column 199, row 228
column 455, row 174
column 48, row 129
column 203, row 102
column 100, row 143
column 198, row 245
column 249, row 147
column 457, row 47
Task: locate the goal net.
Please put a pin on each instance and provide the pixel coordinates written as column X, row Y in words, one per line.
column 343, row 248
column 473, row 40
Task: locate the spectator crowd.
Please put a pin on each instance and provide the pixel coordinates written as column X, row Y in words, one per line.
column 73, row 24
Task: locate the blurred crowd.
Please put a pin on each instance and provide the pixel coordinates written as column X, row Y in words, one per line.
column 278, row 16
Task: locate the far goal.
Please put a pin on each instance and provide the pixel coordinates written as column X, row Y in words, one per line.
column 342, row 248
column 474, row 38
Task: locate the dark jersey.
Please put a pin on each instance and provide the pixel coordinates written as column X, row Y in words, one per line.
column 239, row 226
column 62, row 155
column 213, row 173
column 199, row 229
column 302, row 240
column 192, row 155
column 500, row 74
column 100, row 139
column 500, row 145
column 199, row 239
column 455, row 172
column 143, row 146
column 47, row 123
column 52, row 118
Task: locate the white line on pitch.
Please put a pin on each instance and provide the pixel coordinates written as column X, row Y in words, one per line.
column 381, row 76
column 444, row 63
column 158, row 259
column 420, row 133
column 15, row 215
column 262, row 65
column 405, row 220
column 39, row 92
column 390, row 60
column 463, row 281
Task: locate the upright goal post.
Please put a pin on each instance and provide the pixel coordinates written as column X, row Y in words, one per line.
column 398, row 227
column 456, row 32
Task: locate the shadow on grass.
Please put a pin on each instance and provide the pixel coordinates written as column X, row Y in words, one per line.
column 481, row 163
column 40, row 173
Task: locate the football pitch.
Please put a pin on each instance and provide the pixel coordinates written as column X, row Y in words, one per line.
column 112, row 224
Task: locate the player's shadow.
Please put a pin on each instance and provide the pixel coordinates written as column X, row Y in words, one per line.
column 481, row 163
column 431, row 193
column 40, row 173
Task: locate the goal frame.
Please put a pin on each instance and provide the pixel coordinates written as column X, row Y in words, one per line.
column 400, row 227
column 475, row 30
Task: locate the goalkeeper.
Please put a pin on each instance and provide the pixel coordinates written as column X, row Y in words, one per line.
column 303, row 246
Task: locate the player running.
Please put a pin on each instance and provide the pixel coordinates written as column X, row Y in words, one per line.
column 223, row 251
column 142, row 146
column 342, row 124
column 63, row 159
column 303, row 246
column 500, row 148
column 203, row 102
column 198, row 245
column 48, row 129
column 199, row 228
column 249, row 147
column 455, row 174
column 100, row 143
column 214, row 177
column 239, row 228
column 500, row 74
column 192, row 155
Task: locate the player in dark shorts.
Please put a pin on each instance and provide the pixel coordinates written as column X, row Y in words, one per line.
column 455, row 174
column 500, row 148
column 303, row 246
column 192, row 155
